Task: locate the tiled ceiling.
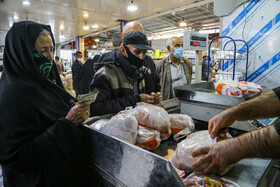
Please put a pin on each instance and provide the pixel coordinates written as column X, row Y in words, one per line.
column 105, row 14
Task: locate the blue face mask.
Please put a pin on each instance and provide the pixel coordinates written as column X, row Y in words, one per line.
column 178, row 52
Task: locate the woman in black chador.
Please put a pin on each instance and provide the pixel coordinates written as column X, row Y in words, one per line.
column 41, row 140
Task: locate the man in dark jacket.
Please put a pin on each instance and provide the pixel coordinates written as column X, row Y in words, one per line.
column 76, row 69
column 152, row 80
column 152, row 84
column 121, row 79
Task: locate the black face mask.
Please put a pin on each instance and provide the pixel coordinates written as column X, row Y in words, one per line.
column 133, row 59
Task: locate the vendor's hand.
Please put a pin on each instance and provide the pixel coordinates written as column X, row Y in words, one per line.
column 147, row 98
column 157, row 97
column 217, row 125
column 219, row 156
column 79, row 113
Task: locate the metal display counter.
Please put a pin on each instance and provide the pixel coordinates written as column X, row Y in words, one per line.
column 124, row 164
column 246, row 173
column 200, row 102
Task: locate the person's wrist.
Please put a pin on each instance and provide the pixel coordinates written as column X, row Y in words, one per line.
column 230, row 115
column 238, row 151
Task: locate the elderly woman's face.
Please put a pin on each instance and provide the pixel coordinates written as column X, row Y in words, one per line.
column 44, row 45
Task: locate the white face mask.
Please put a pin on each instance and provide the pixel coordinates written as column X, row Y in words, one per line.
column 80, row 59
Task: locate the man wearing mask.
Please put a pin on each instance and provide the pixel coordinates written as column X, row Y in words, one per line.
column 121, row 80
column 151, row 79
column 174, row 70
column 76, row 68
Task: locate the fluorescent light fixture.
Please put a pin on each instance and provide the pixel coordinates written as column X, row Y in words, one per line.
column 182, row 24
column 95, row 26
column 26, row 3
column 86, row 27
column 61, row 35
column 85, row 15
column 132, row 7
column 61, row 27
column 16, row 17
column 96, row 40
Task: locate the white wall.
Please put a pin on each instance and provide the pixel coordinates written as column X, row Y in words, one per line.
column 260, row 28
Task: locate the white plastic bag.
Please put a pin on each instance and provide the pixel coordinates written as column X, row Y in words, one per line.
column 234, row 88
column 153, row 117
column 182, row 158
column 231, row 88
column 99, row 124
column 252, row 87
column 181, row 125
column 123, row 126
column 148, row 138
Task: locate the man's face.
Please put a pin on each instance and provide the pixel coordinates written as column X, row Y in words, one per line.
column 176, row 42
column 140, row 53
column 80, row 56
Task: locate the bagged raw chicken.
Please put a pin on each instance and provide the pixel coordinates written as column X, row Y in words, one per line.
column 202, row 135
column 153, row 117
column 182, row 158
column 252, row 87
column 231, row 88
column 148, row 138
column 196, row 179
column 123, row 126
column 181, row 125
column 99, row 124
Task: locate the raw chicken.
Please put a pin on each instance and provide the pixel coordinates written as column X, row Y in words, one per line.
column 123, row 126
column 153, row 117
column 148, row 138
column 180, row 122
column 181, row 125
column 182, row 158
column 99, row 124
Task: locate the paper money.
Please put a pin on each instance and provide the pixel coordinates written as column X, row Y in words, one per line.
column 88, row 97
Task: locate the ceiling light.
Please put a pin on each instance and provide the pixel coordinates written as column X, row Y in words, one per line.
column 61, row 27
column 95, row 26
column 132, row 7
column 182, row 24
column 86, row 27
column 85, row 15
column 97, row 40
column 16, row 17
column 26, row 3
column 62, row 36
column 10, row 24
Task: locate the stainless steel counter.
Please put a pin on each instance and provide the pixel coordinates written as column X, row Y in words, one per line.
column 246, row 173
column 124, row 164
column 200, row 102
